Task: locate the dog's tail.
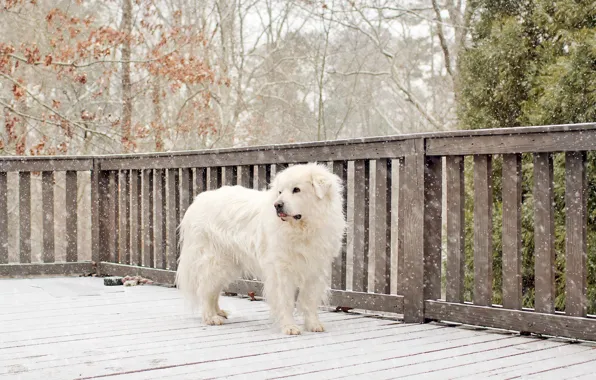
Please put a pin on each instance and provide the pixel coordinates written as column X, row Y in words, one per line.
column 187, row 278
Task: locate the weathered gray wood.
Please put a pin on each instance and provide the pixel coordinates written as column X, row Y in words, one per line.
column 214, row 178
column 483, row 231
column 517, row 320
column 456, row 256
column 160, row 276
column 45, row 164
column 135, row 218
column 361, row 224
column 147, row 224
column 113, row 219
column 262, row 177
column 231, row 175
column 512, row 203
column 519, row 143
column 25, row 217
column 125, row 216
column 433, row 221
column 3, row 219
column 185, row 190
column 172, row 221
column 49, row 269
column 338, row 271
column 160, row 237
column 413, row 234
column 382, row 225
column 248, row 176
column 575, row 240
column 71, row 203
column 401, row 203
column 96, row 254
column 102, row 216
column 342, row 298
column 47, row 194
column 263, row 156
column 544, row 234
column 280, row 167
column 200, row 181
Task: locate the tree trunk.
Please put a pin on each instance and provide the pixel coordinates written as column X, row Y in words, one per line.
column 126, row 80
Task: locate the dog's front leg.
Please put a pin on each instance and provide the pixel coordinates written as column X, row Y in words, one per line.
column 280, row 292
column 309, row 299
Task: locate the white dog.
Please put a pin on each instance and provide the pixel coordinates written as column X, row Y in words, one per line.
column 286, row 236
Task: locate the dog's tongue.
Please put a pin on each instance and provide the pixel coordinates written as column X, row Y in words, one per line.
column 282, row 215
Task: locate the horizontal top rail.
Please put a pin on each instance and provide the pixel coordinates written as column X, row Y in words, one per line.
column 552, row 138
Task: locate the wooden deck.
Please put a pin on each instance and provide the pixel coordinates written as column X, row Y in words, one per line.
column 71, row 328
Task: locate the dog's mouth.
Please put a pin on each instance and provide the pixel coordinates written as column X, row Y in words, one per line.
column 285, row 216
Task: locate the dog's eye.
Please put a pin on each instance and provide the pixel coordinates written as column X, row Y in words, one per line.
column 280, row 192
column 296, row 190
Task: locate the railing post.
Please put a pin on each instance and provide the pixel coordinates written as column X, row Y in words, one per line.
column 421, row 231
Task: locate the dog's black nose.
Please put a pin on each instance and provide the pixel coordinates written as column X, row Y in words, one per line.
column 279, row 205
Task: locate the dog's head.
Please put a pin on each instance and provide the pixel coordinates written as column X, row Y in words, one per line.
column 305, row 191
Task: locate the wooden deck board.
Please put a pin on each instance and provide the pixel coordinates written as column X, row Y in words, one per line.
column 71, row 328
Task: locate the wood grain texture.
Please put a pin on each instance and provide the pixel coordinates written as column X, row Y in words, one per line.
column 544, row 233
column 262, row 177
column 230, row 175
column 200, row 181
column 71, row 207
column 125, row 204
column 413, row 235
column 483, row 231
column 247, row 176
column 263, row 156
column 47, row 195
column 401, row 205
column 575, row 241
column 96, row 252
column 24, row 217
column 45, row 164
column 185, row 190
column 512, row 243
column 113, row 219
column 518, row 143
column 338, row 271
column 433, row 222
column 382, row 227
column 361, row 225
column 172, row 221
column 159, row 210
column 214, row 178
column 46, row 269
column 3, row 218
column 517, row 320
column 147, row 218
column 456, row 256
column 135, row 218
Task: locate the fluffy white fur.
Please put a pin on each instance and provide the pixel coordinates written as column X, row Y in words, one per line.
column 233, row 230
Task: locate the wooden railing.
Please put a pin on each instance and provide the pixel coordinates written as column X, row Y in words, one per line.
column 405, row 201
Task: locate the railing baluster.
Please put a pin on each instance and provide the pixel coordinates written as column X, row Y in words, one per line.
column 401, row 201
column 248, row 175
column 113, row 219
column 135, row 217
column 575, row 241
column 382, row 225
column 512, row 203
column 262, row 177
column 25, row 217
column 231, row 175
column 71, row 204
column 200, row 180
column 147, row 224
column 47, row 194
column 214, row 178
column 433, row 200
column 361, row 226
column 544, row 234
column 3, row 219
column 456, row 257
column 185, row 190
column 338, row 274
column 159, row 231
column 483, row 230
column 172, row 221
column 125, row 211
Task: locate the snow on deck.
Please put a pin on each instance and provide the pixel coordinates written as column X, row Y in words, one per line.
column 72, row 328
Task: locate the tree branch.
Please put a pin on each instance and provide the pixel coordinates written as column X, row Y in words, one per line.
column 442, row 39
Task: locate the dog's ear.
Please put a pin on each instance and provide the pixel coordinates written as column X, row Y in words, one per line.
column 321, row 184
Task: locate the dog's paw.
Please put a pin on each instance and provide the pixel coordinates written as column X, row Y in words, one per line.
column 291, row 330
column 222, row 313
column 315, row 327
column 214, row 320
